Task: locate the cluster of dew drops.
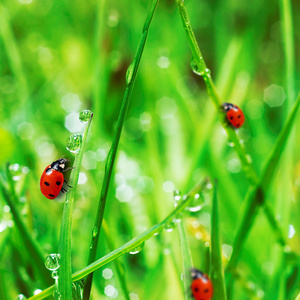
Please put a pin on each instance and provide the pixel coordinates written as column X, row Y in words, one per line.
column 75, row 140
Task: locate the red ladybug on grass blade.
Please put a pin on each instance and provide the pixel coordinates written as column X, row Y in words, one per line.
column 234, row 114
column 52, row 179
column 201, row 286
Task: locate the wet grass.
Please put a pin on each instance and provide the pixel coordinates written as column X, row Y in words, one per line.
column 168, row 133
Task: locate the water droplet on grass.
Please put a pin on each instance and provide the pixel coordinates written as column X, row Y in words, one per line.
column 169, row 226
column 95, row 231
column 197, row 203
column 74, row 143
column 52, row 261
column 129, row 73
column 21, row 297
column 195, row 68
column 85, row 115
column 137, row 249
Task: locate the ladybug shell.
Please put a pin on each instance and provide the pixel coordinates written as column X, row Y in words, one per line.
column 235, row 116
column 51, row 182
column 202, row 288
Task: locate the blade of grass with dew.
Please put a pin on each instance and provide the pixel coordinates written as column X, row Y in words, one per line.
column 31, row 246
column 65, row 270
column 255, row 195
column 187, row 262
column 202, row 69
column 216, row 271
column 138, row 240
column 130, row 80
column 205, row 72
column 117, row 264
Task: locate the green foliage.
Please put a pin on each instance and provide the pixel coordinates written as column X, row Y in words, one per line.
column 58, row 58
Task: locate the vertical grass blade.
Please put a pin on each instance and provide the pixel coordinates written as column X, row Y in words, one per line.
column 255, row 196
column 216, row 272
column 130, row 80
column 187, row 262
column 65, row 271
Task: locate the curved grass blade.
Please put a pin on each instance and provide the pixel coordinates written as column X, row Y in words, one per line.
column 156, row 229
column 65, row 270
column 130, row 80
column 216, row 272
column 211, row 90
column 255, row 196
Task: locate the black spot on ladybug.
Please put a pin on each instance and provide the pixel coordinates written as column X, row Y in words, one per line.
column 58, row 182
column 196, row 289
column 231, row 118
column 46, row 183
column 51, row 195
column 239, row 116
column 237, row 125
column 206, row 290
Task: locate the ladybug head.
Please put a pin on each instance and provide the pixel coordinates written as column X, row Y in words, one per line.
column 195, row 273
column 227, row 106
column 59, row 165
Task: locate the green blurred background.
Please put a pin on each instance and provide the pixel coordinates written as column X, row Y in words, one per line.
column 60, row 57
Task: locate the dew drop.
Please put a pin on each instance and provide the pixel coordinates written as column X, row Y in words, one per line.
column 137, row 249
column 74, row 143
column 95, row 231
column 197, row 203
column 207, row 72
column 195, row 68
column 169, row 226
column 52, row 261
column 177, row 195
column 21, row 297
column 129, row 73
column 85, row 115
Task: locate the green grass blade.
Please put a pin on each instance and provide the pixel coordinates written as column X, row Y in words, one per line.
column 211, row 90
column 187, row 262
column 31, row 246
column 65, row 270
column 138, row 240
column 117, row 264
column 255, row 196
column 130, row 80
column 289, row 46
column 216, row 273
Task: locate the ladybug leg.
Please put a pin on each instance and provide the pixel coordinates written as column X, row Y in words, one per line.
column 69, row 168
column 63, row 190
column 67, row 184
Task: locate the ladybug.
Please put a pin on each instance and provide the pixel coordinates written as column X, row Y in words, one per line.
column 202, row 288
column 234, row 114
column 52, row 179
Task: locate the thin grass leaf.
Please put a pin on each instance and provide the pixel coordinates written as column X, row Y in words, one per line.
column 130, row 80
column 186, row 258
column 256, row 195
column 31, row 246
column 216, row 272
column 202, row 69
column 117, row 263
column 65, row 270
column 135, row 242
